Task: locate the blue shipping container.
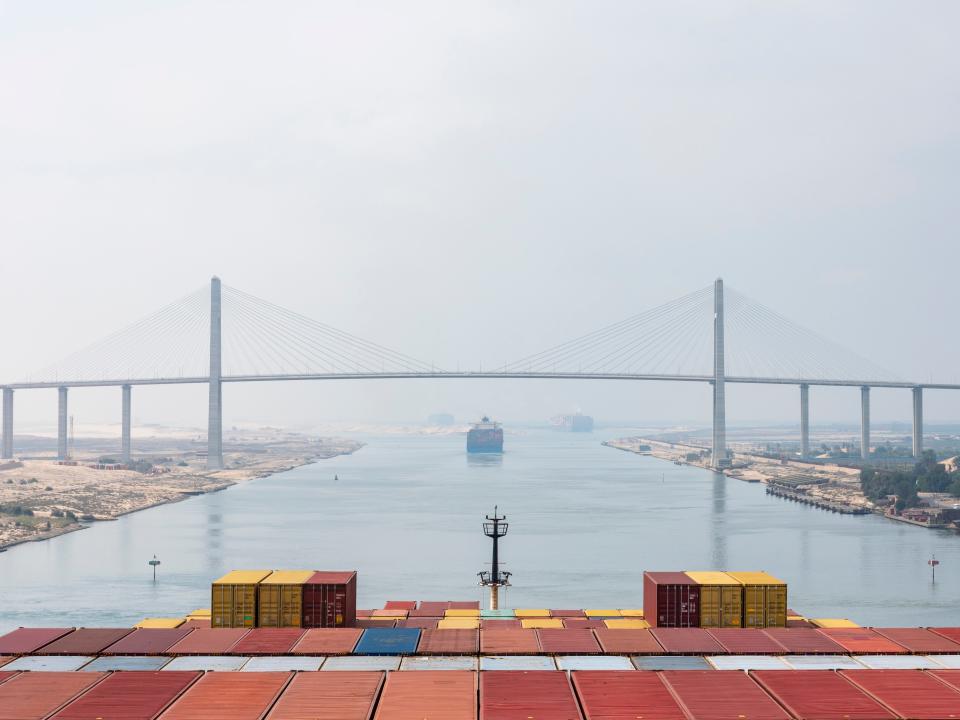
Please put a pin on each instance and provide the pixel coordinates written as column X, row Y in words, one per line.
column 388, row 641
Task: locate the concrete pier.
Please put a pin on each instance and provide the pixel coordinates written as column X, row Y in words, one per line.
column 917, row 422
column 62, row 449
column 125, row 425
column 865, row 422
column 215, row 411
column 804, row 421
column 7, row 448
column 719, row 456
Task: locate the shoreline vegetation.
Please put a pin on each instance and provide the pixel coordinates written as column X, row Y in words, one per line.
column 42, row 499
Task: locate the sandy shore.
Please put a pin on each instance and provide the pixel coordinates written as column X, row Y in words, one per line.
column 40, row 498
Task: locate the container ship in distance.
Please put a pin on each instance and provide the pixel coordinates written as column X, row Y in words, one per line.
column 485, row 436
column 577, row 422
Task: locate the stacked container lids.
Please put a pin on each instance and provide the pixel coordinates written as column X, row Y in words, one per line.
column 242, row 577
column 288, row 577
column 755, row 578
column 712, row 577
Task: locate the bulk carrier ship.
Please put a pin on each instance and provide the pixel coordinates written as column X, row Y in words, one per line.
column 577, row 422
column 485, row 436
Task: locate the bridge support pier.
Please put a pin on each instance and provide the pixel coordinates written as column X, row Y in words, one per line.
column 215, row 410
column 125, row 425
column 917, row 422
column 7, row 449
column 718, row 457
column 865, row 422
column 804, row 421
column 62, row 423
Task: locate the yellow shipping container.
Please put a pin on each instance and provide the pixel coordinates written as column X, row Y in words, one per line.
column 531, row 613
column 541, row 623
column 234, row 599
column 199, row 613
column 721, row 599
column 163, row 623
column 453, row 613
column 627, row 624
column 764, row 599
column 602, row 613
column 833, row 623
column 459, row 623
column 280, row 602
column 632, row 612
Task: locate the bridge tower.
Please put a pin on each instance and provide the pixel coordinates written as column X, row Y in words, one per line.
column 917, row 422
column 804, row 420
column 215, row 413
column 63, row 451
column 719, row 455
column 865, row 422
column 125, row 424
column 7, row 450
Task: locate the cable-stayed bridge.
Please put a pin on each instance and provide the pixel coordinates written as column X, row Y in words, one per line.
column 220, row 334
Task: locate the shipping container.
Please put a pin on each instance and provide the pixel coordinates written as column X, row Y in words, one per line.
column 593, row 662
column 4, row 674
column 207, row 641
column 804, row 641
column 300, row 663
column 897, row 662
column 670, row 599
column 910, row 694
column 593, row 623
column 449, row 642
column 361, row 662
column 631, row 612
column 573, row 642
column 423, row 623
column 861, row 640
column 27, row 640
column 204, row 663
column 499, row 624
column 160, row 623
column 464, row 623
column 34, row 696
column 602, row 613
column 327, row 641
column 538, row 623
column 462, row 613
column 623, row 695
column 821, row 695
column 429, row 695
column 947, row 661
column 919, row 640
column 951, row 677
column 318, row 696
column 531, row 613
column 463, row 605
column 721, row 599
column 439, row 662
column 747, row 662
column 267, row 641
column 330, row 600
column 199, row 623
column 509, row 642
column 280, row 598
column 129, row 696
column 822, row 662
column 626, row 624
column 687, row 641
column 950, row 633
column 670, row 662
column 391, row 613
column 517, row 662
column 84, row 641
column 746, row 641
column 722, row 695
column 147, row 641
column 49, row 663
column 628, row 641
column 364, row 623
column 388, row 641
column 400, row 605
column 429, row 608
column 567, row 613
column 517, row 695
column 833, row 623
column 108, row 663
column 764, row 599
column 504, row 613
column 234, row 695
column 233, row 599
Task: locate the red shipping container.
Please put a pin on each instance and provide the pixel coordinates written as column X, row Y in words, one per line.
column 919, row 640
column 400, row 605
column 429, row 694
column 632, row 642
column 327, row 641
column 203, row 623
column 208, row 641
column 147, row 641
column 233, row 695
column 568, row 642
column 804, row 641
column 84, row 641
column 429, row 608
column 26, row 640
column 129, row 696
column 671, row 599
column 424, row 623
column 746, row 641
column 862, row 640
column 950, row 677
column 371, row 623
column 687, row 641
column 520, row 695
column 4, row 676
column 624, row 695
column 449, row 642
column 950, row 633
column 347, row 695
column 820, row 695
column 35, row 695
column 330, row 600
column 463, row 605
column 909, row 693
column 267, row 641
column 509, row 642
column 489, row 624
column 722, row 695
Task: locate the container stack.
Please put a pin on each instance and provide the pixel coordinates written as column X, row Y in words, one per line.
column 233, row 601
column 714, row 599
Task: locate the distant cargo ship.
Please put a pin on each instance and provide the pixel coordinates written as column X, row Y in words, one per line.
column 577, row 422
column 485, row 436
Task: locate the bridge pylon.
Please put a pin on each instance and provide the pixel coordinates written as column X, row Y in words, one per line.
column 215, row 410
column 719, row 455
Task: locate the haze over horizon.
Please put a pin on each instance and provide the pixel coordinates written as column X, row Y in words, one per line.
column 474, row 184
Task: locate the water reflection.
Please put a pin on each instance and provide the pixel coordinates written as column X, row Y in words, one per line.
column 718, row 517
column 484, row 459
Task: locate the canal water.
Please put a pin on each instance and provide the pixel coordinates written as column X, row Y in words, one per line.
column 406, row 511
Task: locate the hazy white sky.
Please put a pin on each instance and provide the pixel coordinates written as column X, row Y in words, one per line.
column 471, row 182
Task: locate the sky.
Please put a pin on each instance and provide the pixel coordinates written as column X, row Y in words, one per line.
column 473, row 182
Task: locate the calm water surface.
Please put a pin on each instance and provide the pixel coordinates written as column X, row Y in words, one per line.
column 585, row 521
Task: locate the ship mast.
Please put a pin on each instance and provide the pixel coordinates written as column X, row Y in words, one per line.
column 495, row 528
